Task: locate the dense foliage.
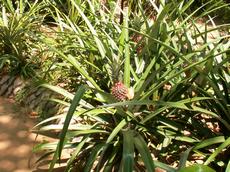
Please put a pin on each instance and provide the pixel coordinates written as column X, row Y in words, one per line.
column 147, row 83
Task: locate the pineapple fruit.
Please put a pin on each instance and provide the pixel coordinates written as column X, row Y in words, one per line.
column 121, row 92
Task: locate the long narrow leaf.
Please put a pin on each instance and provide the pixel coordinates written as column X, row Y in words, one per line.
column 116, row 130
column 184, row 158
column 69, row 115
column 128, row 151
column 76, row 152
column 127, row 53
column 208, row 142
column 142, row 148
column 217, row 151
column 93, row 31
column 92, row 158
column 228, row 167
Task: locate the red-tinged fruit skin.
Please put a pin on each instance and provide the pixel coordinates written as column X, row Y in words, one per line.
column 119, row 91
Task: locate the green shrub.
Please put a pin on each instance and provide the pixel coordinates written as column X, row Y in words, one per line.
column 19, row 23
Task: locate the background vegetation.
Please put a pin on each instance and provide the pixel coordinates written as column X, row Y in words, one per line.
column 147, row 83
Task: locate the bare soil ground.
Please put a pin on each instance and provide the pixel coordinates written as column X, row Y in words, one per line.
column 16, row 140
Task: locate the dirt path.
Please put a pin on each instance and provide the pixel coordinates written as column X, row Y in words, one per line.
column 16, row 141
